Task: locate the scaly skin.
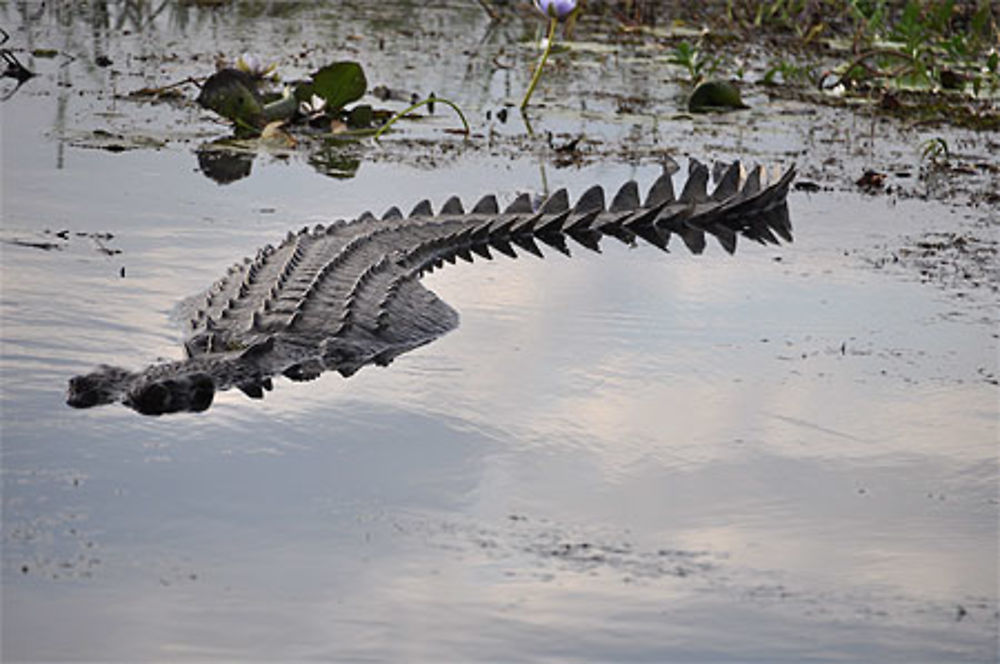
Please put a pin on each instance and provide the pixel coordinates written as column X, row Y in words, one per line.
column 345, row 295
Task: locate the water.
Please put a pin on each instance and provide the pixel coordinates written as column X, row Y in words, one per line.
column 784, row 455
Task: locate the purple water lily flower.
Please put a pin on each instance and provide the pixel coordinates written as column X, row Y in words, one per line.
column 558, row 9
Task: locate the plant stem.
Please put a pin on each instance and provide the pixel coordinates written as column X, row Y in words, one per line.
column 493, row 14
column 541, row 63
column 424, row 102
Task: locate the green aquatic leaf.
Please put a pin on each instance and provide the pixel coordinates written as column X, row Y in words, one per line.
column 361, row 117
column 715, row 96
column 233, row 94
column 339, row 84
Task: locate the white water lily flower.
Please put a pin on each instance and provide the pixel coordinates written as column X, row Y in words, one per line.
column 315, row 105
column 255, row 66
column 558, row 9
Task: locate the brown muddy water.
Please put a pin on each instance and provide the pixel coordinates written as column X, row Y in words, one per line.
column 786, row 455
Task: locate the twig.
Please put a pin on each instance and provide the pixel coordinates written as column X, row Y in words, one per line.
column 152, row 92
column 860, row 61
column 493, row 14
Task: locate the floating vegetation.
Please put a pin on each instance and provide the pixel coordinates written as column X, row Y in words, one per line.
column 239, row 95
column 715, row 96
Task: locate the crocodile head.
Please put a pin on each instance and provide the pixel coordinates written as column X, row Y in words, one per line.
column 98, row 388
column 148, row 394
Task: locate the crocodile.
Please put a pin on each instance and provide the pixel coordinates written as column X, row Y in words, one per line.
column 348, row 294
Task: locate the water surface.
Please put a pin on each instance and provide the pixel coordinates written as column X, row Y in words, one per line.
column 783, row 455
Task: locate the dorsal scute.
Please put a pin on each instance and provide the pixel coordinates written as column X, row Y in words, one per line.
column 422, row 209
column 557, row 202
column 696, row 187
column 453, row 206
column 486, row 205
column 729, row 183
column 592, row 199
column 366, row 216
column 520, row 205
column 752, row 185
column 661, row 192
column 392, row 213
column 627, row 198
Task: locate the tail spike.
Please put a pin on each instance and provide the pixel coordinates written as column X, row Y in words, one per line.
column 661, row 192
column 644, row 217
column 729, row 184
column 554, row 225
column 526, row 225
column 726, row 237
column 752, row 185
column 481, row 249
column 557, row 202
column 644, row 225
column 503, row 229
column 422, row 209
column 520, row 205
column 463, row 252
column 527, row 242
column 486, row 205
column 694, row 239
column 653, row 234
column 481, row 233
column 557, row 241
column 453, row 206
column 502, row 245
column 777, row 220
column 592, row 199
column 583, row 222
column 696, row 187
column 587, row 238
column 627, row 198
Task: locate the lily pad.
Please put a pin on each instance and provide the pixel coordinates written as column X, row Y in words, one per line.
column 339, row 84
column 233, row 94
column 715, row 96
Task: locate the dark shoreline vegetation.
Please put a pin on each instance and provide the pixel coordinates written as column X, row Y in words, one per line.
column 924, row 62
